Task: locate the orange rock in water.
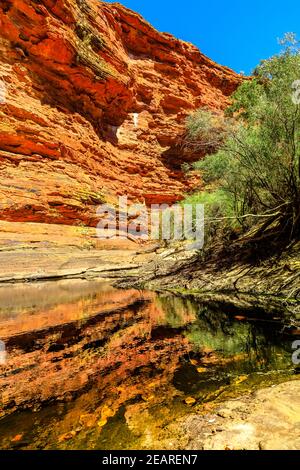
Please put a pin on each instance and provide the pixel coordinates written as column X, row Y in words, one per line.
column 17, row 438
column 241, row 379
column 95, row 106
column 240, row 318
column 190, row 401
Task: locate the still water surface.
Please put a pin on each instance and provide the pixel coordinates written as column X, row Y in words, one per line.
column 92, row 367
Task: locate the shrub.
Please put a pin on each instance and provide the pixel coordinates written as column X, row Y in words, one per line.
column 206, row 130
column 220, row 218
column 257, row 164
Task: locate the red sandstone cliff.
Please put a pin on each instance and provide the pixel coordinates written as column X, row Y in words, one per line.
column 95, row 102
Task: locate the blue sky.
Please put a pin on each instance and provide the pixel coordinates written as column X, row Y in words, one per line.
column 235, row 33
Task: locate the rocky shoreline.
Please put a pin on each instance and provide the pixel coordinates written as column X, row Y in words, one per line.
column 265, row 420
column 73, row 254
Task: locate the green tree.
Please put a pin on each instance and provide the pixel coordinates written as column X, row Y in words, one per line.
column 258, row 161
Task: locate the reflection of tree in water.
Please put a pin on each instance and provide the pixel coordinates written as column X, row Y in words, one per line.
column 255, row 345
column 259, row 344
column 228, row 353
column 232, row 341
column 176, row 312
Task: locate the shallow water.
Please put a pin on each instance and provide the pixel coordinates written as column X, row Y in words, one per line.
column 91, row 367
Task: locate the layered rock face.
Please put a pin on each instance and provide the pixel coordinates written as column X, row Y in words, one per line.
column 93, row 104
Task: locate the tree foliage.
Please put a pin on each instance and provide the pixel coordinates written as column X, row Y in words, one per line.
column 258, row 158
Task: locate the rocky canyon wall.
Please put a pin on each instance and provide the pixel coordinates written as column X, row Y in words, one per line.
column 93, row 104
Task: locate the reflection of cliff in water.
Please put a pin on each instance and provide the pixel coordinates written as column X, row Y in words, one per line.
column 120, row 361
